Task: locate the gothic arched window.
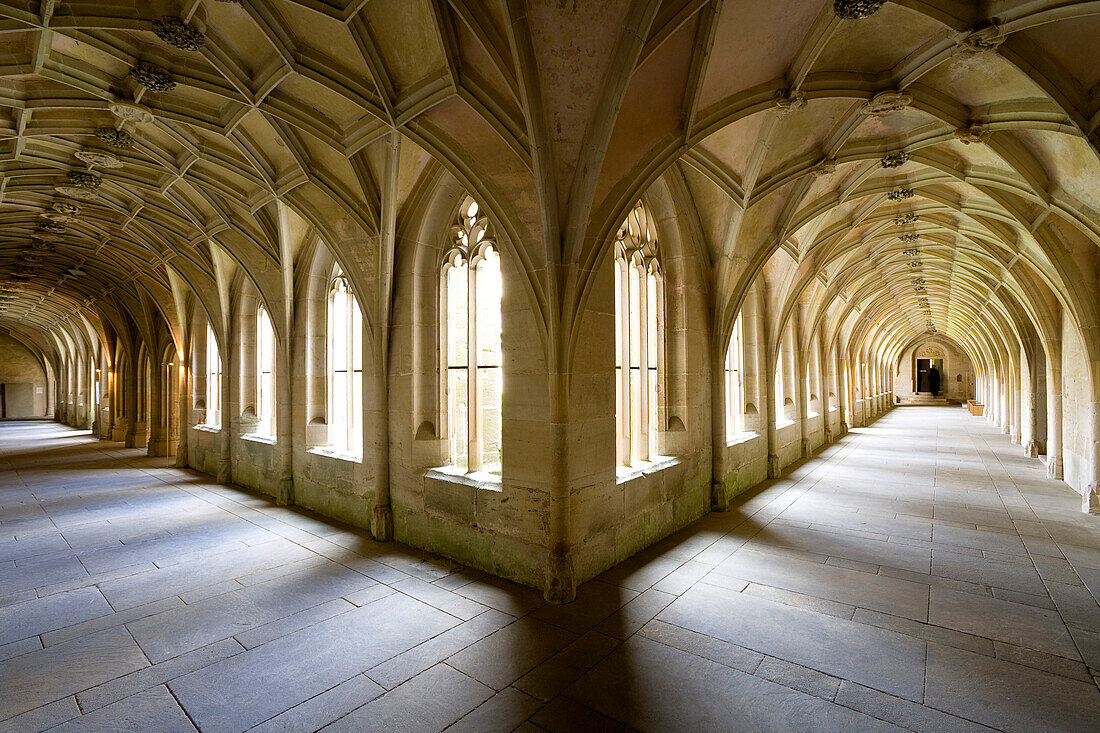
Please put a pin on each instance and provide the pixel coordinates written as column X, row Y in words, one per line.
column 345, row 368
column 639, row 321
column 470, row 339
column 213, row 380
column 735, row 387
column 265, row 373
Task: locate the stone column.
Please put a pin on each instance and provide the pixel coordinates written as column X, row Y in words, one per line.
column 841, row 387
column 1054, row 412
column 772, row 409
column 284, row 418
column 719, row 496
column 183, row 399
column 130, row 403
column 1090, row 498
column 154, row 421
column 225, row 456
column 801, row 373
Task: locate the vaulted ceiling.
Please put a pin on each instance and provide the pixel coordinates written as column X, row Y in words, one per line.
column 923, row 161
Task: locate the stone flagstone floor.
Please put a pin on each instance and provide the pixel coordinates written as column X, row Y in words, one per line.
column 920, row 574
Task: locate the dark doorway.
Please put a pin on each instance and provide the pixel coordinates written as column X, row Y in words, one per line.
column 923, row 365
column 924, row 368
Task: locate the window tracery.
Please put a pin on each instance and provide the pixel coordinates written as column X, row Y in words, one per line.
column 639, row 320
column 472, row 379
column 213, row 380
column 345, row 368
column 265, row 373
column 735, row 388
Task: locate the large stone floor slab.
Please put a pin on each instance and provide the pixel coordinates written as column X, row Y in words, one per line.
column 921, row 574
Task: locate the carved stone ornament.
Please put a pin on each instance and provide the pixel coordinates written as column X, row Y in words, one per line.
column 75, row 192
column 906, row 218
column 900, row 194
column 175, row 32
column 115, row 138
column 59, row 218
column 53, row 227
column 894, row 160
column 824, row 168
column 97, row 159
column 983, row 40
column 916, row 264
column 41, row 244
column 84, row 179
column 929, row 352
column 66, row 208
column 919, row 281
column 920, row 289
column 909, row 237
column 971, row 135
column 884, row 103
column 787, row 101
column 910, row 252
column 128, row 112
column 152, row 77
column 856, row 9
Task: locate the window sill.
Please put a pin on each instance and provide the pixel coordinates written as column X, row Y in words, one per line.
column 265, row 439
column 644, row 468
column 476, row 479
column 329, row 453
column 741, row 438
column 207, row 428
column 780, row 424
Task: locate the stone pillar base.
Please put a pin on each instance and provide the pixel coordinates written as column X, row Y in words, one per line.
column 224, row 473
column 1031, row 450
column 1090, row 500
column 561, row 585
column 773, row 466
column 381, row 523
column 719, row 497
column 285, row 492
column 1054, row 468
column 807, row 451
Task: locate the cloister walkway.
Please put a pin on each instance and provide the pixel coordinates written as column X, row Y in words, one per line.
column 920, row 573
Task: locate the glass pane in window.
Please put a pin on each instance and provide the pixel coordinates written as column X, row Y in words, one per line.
column 213, row 380
column 635, row 317
column 338, row 329
column 651, row 320
column 457, row 399
column 355, row 419
column 458, row 328
column 635, row 412
column 488, row 306
column 491, row 396
column 338, row 417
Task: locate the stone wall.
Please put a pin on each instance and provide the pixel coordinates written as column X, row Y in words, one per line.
column 24, row 379
column 957, row 382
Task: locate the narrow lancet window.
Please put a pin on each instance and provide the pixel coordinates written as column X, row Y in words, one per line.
column 345, row 368
column 471, row 290
column 265, row 374
column 639, row 319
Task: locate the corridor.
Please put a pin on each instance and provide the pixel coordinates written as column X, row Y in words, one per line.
column 919, row 573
